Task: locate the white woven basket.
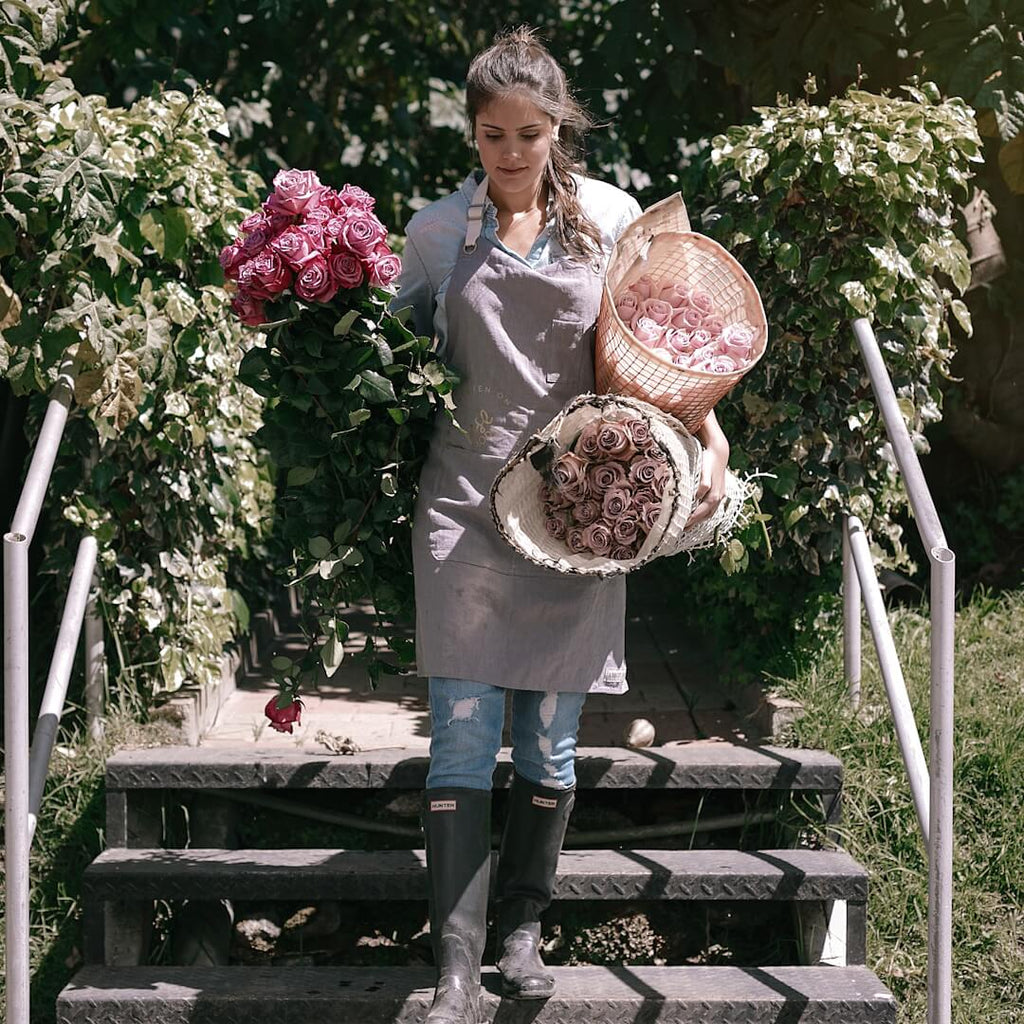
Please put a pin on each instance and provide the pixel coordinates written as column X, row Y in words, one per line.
column 519, row 514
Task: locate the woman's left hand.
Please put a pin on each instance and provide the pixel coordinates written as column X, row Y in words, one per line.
column 711, row 488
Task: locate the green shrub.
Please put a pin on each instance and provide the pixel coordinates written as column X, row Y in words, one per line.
column 111, row 220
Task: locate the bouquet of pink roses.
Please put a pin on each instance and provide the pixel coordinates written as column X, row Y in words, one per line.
column 310, row 239
column 603, row 496
column 680, row 324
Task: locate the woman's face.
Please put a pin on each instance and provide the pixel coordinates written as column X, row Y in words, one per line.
column 514, row 139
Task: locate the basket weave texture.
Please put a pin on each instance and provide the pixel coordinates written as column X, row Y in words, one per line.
column 655, row 245
column 518, row 511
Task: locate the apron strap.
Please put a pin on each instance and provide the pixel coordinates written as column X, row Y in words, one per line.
column 476, row 217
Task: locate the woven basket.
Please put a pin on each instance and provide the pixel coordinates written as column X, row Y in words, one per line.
column 518, row 512
column 659, row 244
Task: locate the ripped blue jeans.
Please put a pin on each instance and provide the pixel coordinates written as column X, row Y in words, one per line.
column 465, row 734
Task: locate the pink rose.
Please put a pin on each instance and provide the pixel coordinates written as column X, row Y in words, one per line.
column 646, row 331
column 553, row 499
column 346, row 269
column 699, row 338
column 661, row 478
column 598, row 537
column 713, row 325
column 315, row 282
column 702, row 301
column 677, row 340
column 356, row 197
column 722, row 364
column 296, row 246
column 281, row 719
column 622, row 552
column 293, row 191
column 256, row 220
column 614, row 442
column 658, row 311
column 586, row 444
column 639, row 433
column 569, row 473
column 270, row 273
column 248, row 308
column 319, row 216
column 688, row 319
column 384, row 266
column 361, row 231
column 648, row 512
column 247, row 281
column 603, row 475
column 627, row 306
column 642, row 472
column 575, row 540
column 675, row 294
column 231, row 258
column 616, row 500
column 736, row 340
column 643, row 287
column 557, row 525
column 586, row 511
column 626, row 527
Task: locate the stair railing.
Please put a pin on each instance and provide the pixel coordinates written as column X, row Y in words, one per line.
column 26, row 769
column 932, row 790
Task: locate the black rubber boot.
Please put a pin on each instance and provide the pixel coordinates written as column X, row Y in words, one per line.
column 457, row 830
column 530, row 845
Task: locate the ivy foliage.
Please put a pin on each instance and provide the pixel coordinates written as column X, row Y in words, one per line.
column 351, row 406
column 838, row 211
column 111, row 219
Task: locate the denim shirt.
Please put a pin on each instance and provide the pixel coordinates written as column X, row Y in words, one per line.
column 435, row 234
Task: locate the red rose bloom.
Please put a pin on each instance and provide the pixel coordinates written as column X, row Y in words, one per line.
column 282, row 719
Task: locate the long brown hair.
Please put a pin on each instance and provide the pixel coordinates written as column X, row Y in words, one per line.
column 518, row 62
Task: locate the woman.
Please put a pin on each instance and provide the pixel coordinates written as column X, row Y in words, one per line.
column 507, row 274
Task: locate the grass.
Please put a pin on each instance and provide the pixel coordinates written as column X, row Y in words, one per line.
column 68, row 836
column 880, row 827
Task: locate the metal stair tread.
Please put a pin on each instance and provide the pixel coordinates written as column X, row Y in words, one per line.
column 400, row 995
column 400, row 874
column 697, row 765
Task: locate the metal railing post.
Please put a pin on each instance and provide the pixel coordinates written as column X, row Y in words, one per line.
column 940, row 839
column 851, row 620
column 16, row 838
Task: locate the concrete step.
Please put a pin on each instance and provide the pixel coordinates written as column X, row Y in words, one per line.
column 372, row 995
column 698, row 765
column 134, row 874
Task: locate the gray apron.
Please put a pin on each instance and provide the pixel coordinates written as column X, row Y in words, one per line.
column 522, row 341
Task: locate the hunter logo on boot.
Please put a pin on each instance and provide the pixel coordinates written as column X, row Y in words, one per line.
column 545, row 801
column 444, row 805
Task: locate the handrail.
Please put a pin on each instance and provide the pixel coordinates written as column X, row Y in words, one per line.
column 935, row 812
column 26, row 768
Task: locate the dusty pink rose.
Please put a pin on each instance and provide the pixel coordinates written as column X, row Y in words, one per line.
column 384, row 267
column 677, row 340
column 614, row 441
column 603, row 475
column 598, row 537
column 257, row 219
column 646, row 331
column 557, row 525
column 699, row 338
column 586, row 511
column 296, row 246
column 642, row 471
column 616, row 500
column 554, row 500
column 282, row 719
column 688, row 319
column 346, row 269
column 622, row 552
column 658, row 311
column 569, row 473
column 661, row 479
column 722, row 364
column 248, row 308
column 361, row 231
column 713, row 324
column 354, row 196
column 702, row 301
column 231, row 258
column 575, row 540
column 586, row 444
column 293, row 191
column 675, row 294
column 639, row 432
column 270, row 273
column 643, row 287
column 736, row 340
column 320, row 215
column 627, row 306
column 626, row 527
column 315, row 282
column 648, row 512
